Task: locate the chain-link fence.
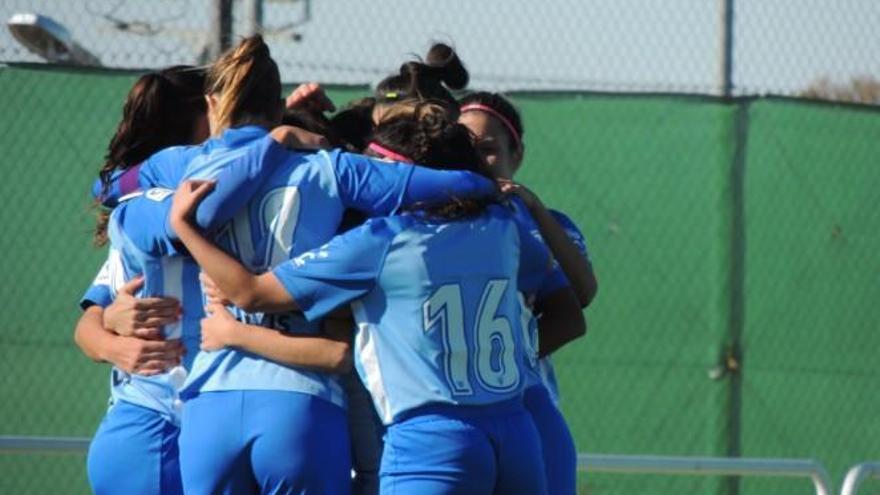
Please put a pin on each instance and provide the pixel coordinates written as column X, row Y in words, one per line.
column 780, row 47
column 734, row 240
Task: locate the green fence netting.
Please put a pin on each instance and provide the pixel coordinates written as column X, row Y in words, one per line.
column 735, row 243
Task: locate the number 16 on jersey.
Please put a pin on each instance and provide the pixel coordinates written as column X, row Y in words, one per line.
column 490, row 345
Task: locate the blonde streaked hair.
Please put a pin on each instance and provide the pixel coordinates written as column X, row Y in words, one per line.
column 247, row 84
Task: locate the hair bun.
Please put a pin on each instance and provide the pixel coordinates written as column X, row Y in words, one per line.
column 450, row 68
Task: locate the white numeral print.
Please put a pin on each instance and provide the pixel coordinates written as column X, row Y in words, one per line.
column 445, row 308
column 529, row 332
column 278, row 214
column 494, row 337
column 496, row 361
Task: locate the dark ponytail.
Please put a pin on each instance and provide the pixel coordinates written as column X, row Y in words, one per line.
column 162, row 109
column 449, row 68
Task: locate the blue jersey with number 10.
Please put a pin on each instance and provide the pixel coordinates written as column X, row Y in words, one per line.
column 295, row 202
column 438, row 308
column 140, row 234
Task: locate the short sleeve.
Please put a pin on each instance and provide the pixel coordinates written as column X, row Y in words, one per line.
column 371, row 186
column 340, row 271
column 377, row 187
column 439, row 186
column 573, row 232
column 97, row 188
column 538, row 272
column 96, row 295
column 109, row 195
column 166, row 167
column 239, row 174
column 553, row 282
column 100, row 292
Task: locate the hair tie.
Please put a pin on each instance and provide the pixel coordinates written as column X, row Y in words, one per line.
column 386, row 153
column 478, row 107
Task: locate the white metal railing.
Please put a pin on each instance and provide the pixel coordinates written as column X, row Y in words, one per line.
column 709, row 466
column 701, row 466
column 857, row 474
column 44, row 444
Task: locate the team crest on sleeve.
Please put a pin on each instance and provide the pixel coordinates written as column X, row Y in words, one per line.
column 537, row 235
column 158, row 193
column 577, row 239
column 304, row 258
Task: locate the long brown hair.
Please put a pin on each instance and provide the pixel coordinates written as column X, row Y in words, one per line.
column 162, row 109
column 248, row 85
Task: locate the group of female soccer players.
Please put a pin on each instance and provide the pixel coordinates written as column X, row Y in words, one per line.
column 259, row 248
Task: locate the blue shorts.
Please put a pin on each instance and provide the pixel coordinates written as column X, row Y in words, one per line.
column 262, row 441
column 560, row 454
column 134, row 451
column 366, row 430
column 463, row 451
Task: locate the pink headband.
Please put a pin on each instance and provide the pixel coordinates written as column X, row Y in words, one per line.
column 471, row 107
column 385, row 152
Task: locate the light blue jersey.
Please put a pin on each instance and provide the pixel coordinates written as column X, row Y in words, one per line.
column 164, row 168
column 143, row 243
column 437, row 308
column 540, row 370
column 110, row 275
column 137, row 234
column 546, row 374
column 541, row 399
column 141, row 427
column 295, row 203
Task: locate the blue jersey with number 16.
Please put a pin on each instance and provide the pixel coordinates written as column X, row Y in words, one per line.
column 294, row 203
column 438, row 308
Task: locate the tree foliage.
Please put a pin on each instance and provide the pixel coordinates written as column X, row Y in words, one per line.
column 862, row 89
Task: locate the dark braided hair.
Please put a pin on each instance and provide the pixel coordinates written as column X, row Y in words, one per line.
column 424, row 132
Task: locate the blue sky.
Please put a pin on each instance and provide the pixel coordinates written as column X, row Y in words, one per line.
column 616, row 45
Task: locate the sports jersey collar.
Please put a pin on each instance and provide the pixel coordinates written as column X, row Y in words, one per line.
column 240, row 135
